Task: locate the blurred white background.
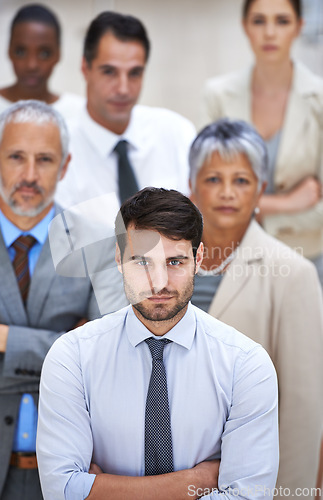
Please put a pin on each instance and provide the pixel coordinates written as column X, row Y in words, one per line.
column 191, row 40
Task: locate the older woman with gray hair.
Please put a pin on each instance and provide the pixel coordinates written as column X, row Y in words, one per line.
column 255, row 283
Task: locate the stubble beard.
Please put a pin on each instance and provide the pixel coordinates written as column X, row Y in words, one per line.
column 160, row 312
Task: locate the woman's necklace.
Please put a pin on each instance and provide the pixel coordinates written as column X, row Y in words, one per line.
column 218, row 269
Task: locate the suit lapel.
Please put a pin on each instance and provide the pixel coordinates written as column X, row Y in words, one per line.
column 293, row 130
column 238, row 273
column 231, row 286
column 41, row 281
column 9, row 290
column 237, row 97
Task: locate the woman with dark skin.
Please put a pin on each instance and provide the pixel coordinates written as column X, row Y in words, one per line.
column 34, row 50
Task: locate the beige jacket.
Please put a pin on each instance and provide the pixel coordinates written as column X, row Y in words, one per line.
column 273, row 295
column 300, row 150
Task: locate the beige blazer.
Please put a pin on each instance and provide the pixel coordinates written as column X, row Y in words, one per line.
column 300, row 149
column 273, row 295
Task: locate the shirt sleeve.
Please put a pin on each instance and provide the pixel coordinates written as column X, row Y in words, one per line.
column 64, row 438
column 249, row 451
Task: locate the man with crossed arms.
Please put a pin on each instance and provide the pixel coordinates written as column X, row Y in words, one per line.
column 158, row 389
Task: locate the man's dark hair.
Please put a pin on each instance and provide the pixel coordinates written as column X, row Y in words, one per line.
column 39, row 14
column 168, row 212
column 124, row 28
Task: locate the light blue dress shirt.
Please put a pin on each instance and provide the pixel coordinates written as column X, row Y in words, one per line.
column 222, row 393
column 26, row 427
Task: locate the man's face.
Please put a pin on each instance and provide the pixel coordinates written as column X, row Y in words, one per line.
column 30, row 166
column 158, row 275
column 114, row 80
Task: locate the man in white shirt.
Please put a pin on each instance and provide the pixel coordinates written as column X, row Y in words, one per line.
column 155, row 140
column 159, row 389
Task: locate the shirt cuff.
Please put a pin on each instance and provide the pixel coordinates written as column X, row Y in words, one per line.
column 79, row 486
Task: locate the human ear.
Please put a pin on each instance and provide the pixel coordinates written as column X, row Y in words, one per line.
column 85, row 68
column 64, row 167
column 199, row 257
column 118, row 258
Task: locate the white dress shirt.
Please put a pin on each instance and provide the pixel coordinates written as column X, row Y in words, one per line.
column 222, row 394
column 159, row 142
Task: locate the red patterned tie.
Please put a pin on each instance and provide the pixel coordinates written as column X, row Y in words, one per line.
column 22, row 245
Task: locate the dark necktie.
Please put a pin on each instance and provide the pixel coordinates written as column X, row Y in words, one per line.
column 158, row 437
column 126, row 178
column 22, row 245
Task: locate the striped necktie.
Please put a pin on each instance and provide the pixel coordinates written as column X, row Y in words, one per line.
column 22, row 245
column 158, row 436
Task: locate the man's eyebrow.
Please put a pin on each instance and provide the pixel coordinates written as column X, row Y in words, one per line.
column 178, row 257
column 23, row 151
column 138, row 257
column 50, row 153
column 107, row 66
column 143, row 257
column 15, row 150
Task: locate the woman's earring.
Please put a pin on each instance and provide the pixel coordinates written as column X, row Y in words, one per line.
column 257, row 211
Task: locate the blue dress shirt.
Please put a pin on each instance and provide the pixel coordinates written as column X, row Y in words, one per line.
column 222, row 394
column 26, row 427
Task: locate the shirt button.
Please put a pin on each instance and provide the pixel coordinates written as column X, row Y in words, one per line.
column 8, row 420
column 25, row 435
column 25, row 400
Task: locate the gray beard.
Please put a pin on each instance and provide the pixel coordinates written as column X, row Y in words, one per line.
column 32, row 212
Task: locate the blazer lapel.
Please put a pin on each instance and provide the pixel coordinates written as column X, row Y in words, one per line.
column 296, row 124
column 238, row 273
column 237, row 96
column 41, row 282
column 42, row 279
column 9, row 290
column 231, row 286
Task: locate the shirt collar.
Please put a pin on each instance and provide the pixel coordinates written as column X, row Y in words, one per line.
column 10, row 232
column 182, row 333
column 103, row 140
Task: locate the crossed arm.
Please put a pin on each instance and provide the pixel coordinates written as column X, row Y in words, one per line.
column 65, row 439
column 175, row 485
column 304, row 196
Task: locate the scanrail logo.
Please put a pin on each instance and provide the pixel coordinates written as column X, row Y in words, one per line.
column 255, row 491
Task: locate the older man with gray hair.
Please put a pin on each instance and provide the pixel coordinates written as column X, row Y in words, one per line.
column 36, row 305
